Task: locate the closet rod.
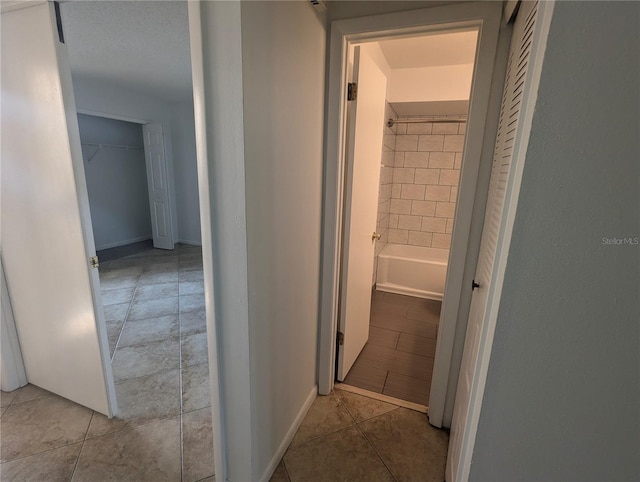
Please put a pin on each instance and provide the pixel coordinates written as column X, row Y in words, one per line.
column 391, row 122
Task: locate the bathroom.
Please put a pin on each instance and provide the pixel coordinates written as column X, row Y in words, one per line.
column 427, row 92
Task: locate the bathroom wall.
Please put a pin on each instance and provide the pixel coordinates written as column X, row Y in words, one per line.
column 426, row 171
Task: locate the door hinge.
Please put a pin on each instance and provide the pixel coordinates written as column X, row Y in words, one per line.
column 94, row 262
column 352, row 91
column 340, row 338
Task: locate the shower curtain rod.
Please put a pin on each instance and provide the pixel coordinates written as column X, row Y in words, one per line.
column 391, row 122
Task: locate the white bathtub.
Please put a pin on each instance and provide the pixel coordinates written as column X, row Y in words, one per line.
column 412, row 270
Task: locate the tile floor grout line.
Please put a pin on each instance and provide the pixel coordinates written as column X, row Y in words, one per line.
column 376, row 452
column 41, row 452
column 126, row 316
column 180, row 378
column 75, row 465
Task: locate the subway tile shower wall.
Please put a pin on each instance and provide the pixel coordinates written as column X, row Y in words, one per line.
column 427, row 158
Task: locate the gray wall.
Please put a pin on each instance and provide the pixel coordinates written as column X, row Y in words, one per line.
column 562, row 396
column 185, row 172
column 116, row 181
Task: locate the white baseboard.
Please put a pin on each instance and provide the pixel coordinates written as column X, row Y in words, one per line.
column 190, row 243
column 124, row 242
column 273, row 464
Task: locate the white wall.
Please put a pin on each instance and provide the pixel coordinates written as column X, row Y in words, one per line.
column 283, row 57
column 186, row 173
column 562, row 399
column 122, row 218
column 430, row 84
column 102, row 98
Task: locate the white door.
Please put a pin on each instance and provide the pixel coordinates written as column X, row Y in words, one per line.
column 508, row 130
column 361, row 201
column 158, row 186
column 47, row 238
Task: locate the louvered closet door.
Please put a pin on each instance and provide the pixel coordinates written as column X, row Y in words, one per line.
column 508, row 130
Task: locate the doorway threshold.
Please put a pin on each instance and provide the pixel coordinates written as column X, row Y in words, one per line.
column 383, row 398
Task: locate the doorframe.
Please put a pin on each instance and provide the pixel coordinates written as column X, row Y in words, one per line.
column 485, row 16
column 169, row 171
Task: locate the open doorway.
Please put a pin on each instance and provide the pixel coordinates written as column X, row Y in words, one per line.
column 419, row 114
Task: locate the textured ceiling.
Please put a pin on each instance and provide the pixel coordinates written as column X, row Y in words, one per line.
column 435, row 50
column 137, row 44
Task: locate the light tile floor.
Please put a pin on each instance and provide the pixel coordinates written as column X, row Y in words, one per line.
column 349, row 437
column 154, row 307
column 398, row 358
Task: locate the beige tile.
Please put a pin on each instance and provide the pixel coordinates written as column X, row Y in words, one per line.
column 442, row 160
column 154, row 277
column 383, row 337
column 144, row 309
column 420, row 128
column 191, row 262
column 434, row 225
column 196, row 287
column 389, row 140
column 458, row 161
column 403, row 175
column 449, row 177
column 191, row 275
column 398, row 159
column 113, row 333
column 412, row 191
column 326, row 415
column 142, row 360
column 462, row 128
column 141, row 401
column 437, row 193
column 418, row 345
column 194, row 349
column 387, row 158
column 197, row 445
column 431, row 143
column 6, row 398
column 453, row 143
column 416, row 159
column 117, row 296
column 454, row 194
column 363, row 408
column 427, row 176
column 445, row 209
column 116, row 271
column 396, row 191
column 386, row 175
column 196, row 387
column 445, row 128
column 342, row 456
column 43, row 424
column 119, row 282
column 115, row 313
column 54, row 465
column 441, row 240
column 393, row 220
column 423, row 208
column 30, row 392
column 193, row 322
column 400, row 206
column 407, row 388
column 192, row 303
column 280, row 474
column 419, row 238
column 398, row 236
column 406, row 221
column 139, row 332
column 409, row 446
column 366, row 377
column 406, row 143
column 449, row 228
column 154, row 291
column 146, row 452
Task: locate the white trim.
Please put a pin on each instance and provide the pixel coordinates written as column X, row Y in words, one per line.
column 115, row 244
column 107, row 115
column 543, row 22
column 190, row 243
column 485, row 15
column 382, row 397
column 284, row 445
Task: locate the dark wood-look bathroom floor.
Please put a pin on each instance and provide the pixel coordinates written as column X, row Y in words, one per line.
column 398, row 358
